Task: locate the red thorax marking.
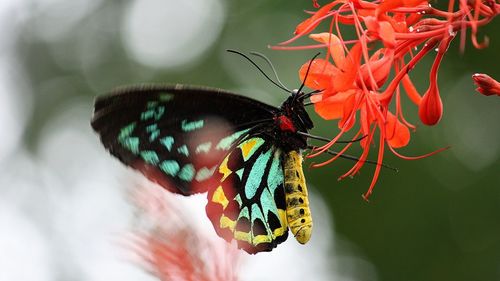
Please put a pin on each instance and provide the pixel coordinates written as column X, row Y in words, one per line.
column 285, row 123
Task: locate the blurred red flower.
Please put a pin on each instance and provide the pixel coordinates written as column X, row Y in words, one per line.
column 171, row 249
column 356, row 82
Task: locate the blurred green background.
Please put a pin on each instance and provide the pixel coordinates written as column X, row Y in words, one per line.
column 436, row 219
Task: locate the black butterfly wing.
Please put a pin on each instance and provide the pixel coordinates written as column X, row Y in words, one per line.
column 175, row 135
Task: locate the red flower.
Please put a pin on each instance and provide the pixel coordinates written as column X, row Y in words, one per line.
column 486, row 85
column 174, row 250
column 355, row 76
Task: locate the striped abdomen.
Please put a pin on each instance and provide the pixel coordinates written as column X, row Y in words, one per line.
column 297, row 203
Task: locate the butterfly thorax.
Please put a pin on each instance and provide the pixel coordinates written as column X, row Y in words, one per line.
column 289, row 119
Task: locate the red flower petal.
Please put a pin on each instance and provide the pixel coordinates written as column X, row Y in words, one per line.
column 348, row 72
column 348, row 113
column 311, row 23
column 381, row 29
column 386, row 33
column 336, row 47
column 320, row 74
column 331, row 107
column 396, row 133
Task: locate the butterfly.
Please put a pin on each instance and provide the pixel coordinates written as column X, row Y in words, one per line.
column 247, row 155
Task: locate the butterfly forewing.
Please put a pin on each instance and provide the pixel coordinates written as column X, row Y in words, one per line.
column 155, row 130
column 248, row 204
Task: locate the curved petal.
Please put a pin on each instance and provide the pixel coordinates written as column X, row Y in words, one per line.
column 396, row 133
column 311, row 23
column 320, row 75
column 381, row 29
column 387, row 34
column 348, row 113
column 348, row 71
column 332, row 107
column 336, row 47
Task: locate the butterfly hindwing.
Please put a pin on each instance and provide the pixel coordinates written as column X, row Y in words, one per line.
column 248, row 204
column 175, row 135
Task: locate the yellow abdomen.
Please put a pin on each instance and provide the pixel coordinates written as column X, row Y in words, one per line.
column 297, row 203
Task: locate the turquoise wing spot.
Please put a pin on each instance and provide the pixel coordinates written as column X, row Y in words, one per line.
column 126, row 131
column 150, row 157
column 125, row 138
column 244, row 213
column 152, row 104
column 186, row 173
column 159, row 112
column 170, row 167
column 168, row 142
column 153, row 111
column 255, row 176
column 240, row 173
column 131, row 143
column 183, row 150
column 237, row 198
column 153, row 131
column 226, row 142
column 191, row 126
column 274, row 179
column 154, row 135
column 165, row 97
column 267, row 202
column 151, row 128
column 204, row 147
column 147, row 114
column 204, row 173
column 276, row 176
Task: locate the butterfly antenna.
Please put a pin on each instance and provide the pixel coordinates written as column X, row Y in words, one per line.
column 268, row 61
column 308, row 95
column 307, row 73
column 260, row 69
column 327, row 140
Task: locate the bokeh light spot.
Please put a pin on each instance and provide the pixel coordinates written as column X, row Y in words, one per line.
column 169, row 33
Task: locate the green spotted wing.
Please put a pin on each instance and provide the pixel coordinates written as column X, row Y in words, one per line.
column 248, row 202
column 176, row 135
